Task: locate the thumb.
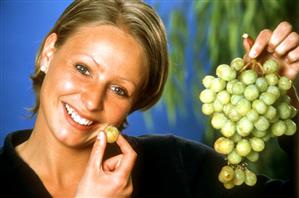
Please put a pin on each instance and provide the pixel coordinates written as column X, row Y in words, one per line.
column 247, row 42
column 97, row 153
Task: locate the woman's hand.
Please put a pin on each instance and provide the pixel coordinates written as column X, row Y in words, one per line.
column 109, row 178
column 282, row 44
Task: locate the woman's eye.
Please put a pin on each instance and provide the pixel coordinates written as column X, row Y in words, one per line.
column 82, row 69
column 119, row 91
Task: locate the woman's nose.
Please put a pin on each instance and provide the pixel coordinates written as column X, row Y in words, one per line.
column 93, row 97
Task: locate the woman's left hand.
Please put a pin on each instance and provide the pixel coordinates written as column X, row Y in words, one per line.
column 282, row 44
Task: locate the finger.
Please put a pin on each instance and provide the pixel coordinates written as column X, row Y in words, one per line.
column 129, row 156
column 260, row 44
column 293, row 55
column 247, row 42
column 290, row 42
column 112, row 163
column 97, row 153
column 279, row 34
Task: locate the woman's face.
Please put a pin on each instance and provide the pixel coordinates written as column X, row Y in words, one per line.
column 92, row 80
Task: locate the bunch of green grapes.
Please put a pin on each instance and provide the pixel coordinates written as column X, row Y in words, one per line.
column 248, row 104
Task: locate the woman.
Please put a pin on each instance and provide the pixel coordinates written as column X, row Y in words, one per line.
column 102, row 61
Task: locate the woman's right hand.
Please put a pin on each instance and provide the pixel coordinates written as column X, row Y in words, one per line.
column 109, row 178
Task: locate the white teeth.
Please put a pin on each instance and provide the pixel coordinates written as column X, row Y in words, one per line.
column 75, row 116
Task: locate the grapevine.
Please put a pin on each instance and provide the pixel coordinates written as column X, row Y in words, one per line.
column 248, row 103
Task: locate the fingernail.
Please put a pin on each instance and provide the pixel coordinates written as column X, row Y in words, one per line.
column 252, row 54
column 101, row 137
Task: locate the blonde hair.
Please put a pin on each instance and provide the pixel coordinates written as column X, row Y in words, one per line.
column 138, row 19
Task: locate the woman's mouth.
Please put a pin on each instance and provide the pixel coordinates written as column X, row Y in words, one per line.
column 76, row 117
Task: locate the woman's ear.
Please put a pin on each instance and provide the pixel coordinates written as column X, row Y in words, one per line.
column 48, row 52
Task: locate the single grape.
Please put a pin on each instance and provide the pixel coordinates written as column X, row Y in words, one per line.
column 251, row 92
column 252, row 115
column 225, row 72
column 227, row 108
column 259, row 106
column 250, row 178
column 234, row 99
column 238, row 88
column 228, row 129
column 226, row 174
column 274, row 90
column 268, row 98
column 224, row 145
column 272, row 79
column 223, row 96
column 112, row 133
column 207, row 109
column 234, row 157
column 284, row 110
column 229, row 85
column 218, row 106
column 284, row 83
column 261, row 84
column 271, row 113
column 207, row 96
column 218, row 120
column 207, row 81
column 236, row 137
column 244, row 127
column 293, row 111
column 291, row 127
column 237, row 63
column 239, row 177
column 218, row 84
column 258, row 133
column 270, row 66
column 279, row 128
column 243, row 147
column 248, row 77
column 234, row 115
column 229, row 185
column 257, row 144
column 243, row 107
column 253, row 156
column 262, row 124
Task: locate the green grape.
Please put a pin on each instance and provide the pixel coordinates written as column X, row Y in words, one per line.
column 229, row 185
column 248, row 77
column 270, row 66
column 243, row 107
column 234, row 157
column 112, row 133
column 224, row 145
column 207, row 81
column 236, row 137
column 274, row 90
column 291, row 127
column 284, row 83
column 272, row 79
column 218, row 120
column 252, row 115
column 234, row 115
column 237, row 63
column 227, row 108
column 228, row 129
column 284, row 110
column 258, row 133
column 229, row 86
column 238, row 88
column 266, row 137
column 243, row 147
column 293, row 111
column 253, row 156
column 218, row 106
column 218, row 85
column 261, row 84
column 207, row 96
column 244, row 127
column 279, row 128
column 239, row 177
column 234, row 99
column 271, row 113
column 250, row 179
column 285, row 98
column 251, row 92
column 225, row 72
column 257, row 144
column 226, row 174
column 259, row 106
column 207, row 109
column 223, row 96
column 262, row 124
column 268, row 98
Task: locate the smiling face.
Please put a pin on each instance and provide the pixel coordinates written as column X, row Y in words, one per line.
column 93, row 79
